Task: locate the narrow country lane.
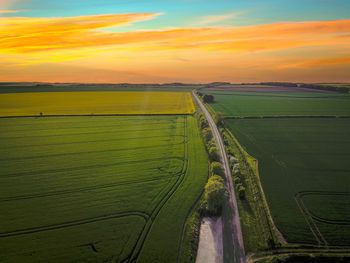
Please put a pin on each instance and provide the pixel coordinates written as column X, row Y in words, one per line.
column 232, row 232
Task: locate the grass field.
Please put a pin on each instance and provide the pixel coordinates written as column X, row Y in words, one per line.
column 303, row 162
column 304, row 170
column 97, row 189
column 244, row 104
column 88, row 103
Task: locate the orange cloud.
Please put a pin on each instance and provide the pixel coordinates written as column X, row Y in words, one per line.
column 10, row 11
column 32, row 35
column 319, row 62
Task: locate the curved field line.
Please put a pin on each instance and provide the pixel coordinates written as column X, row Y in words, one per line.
column 149, row 217
column 88, row 152
column 133, row 256
column 311, row 223
column 81, row 133
column 32, row 230
column 301, row 194
column 79, row 190
column 88, row 167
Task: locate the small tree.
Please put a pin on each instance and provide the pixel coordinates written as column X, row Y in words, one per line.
column 216, row 168
column 236, row 180
column 207, row 134
column 214, row 154
column 207, row 98
column 211, row 144
column 219, row 119
column 203, row 122
column 241, row 192
column 235, row 169
column 214, row 196
column 233, row 160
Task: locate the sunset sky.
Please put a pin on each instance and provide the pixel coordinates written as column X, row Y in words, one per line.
column 175, row 40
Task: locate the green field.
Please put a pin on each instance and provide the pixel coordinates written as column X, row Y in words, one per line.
column 303, row 162
column 304, row 169
column 97, row 189
column 244, row 104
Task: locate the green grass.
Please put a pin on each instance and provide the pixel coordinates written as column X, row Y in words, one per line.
column 303, row 165
column 97, row 189
column 279, row 103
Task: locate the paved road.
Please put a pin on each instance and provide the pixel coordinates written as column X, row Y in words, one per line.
column 233, row 239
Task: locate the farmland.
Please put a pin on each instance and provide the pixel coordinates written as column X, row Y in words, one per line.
column 243, row 104
column 89, row 103
column 97, row 189
column 304, row 172
column 302, row 150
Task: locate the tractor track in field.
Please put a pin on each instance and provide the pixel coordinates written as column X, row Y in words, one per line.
column 235, row 251
column 72, row 223
column 148, row 217
column 83, row 189
column 306, row 212
column 137, row 249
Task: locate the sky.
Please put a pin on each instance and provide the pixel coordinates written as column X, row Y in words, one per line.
column 162, row 41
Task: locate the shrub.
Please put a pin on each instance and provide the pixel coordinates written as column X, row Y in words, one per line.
column 241, row 192
column 214, row 154
column 219, row 119
column 235, row 169
column 236, row 180
column 211, row 143
column 203, row 122
column 216, row 168
column 207, row 134
column 233, row 160
column 208, row 98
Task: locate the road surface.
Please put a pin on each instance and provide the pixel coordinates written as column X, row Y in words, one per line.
column 210, row 241
column 232, row 232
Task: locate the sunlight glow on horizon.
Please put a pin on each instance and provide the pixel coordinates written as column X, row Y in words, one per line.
column 60, row 49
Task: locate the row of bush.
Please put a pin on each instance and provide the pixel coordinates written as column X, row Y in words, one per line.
column 214, row 191
column 326, row 87
column 233, row 161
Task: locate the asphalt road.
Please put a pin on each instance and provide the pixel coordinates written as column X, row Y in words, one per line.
column 232, row 237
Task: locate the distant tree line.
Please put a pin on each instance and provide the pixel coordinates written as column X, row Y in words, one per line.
column 326, row 87
column 279, row 84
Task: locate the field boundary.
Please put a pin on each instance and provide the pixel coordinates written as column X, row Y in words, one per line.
column 96, row 115
column 288, row 117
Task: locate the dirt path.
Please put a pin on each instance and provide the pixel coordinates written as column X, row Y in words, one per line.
column 210, row 248
column 233, row 239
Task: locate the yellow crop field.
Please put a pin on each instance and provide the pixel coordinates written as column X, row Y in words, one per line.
column 84, row 103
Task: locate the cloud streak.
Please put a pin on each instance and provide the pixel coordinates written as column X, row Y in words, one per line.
column 10, row 11
column 218, row 18
column 319, row 63
column 32, row 35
